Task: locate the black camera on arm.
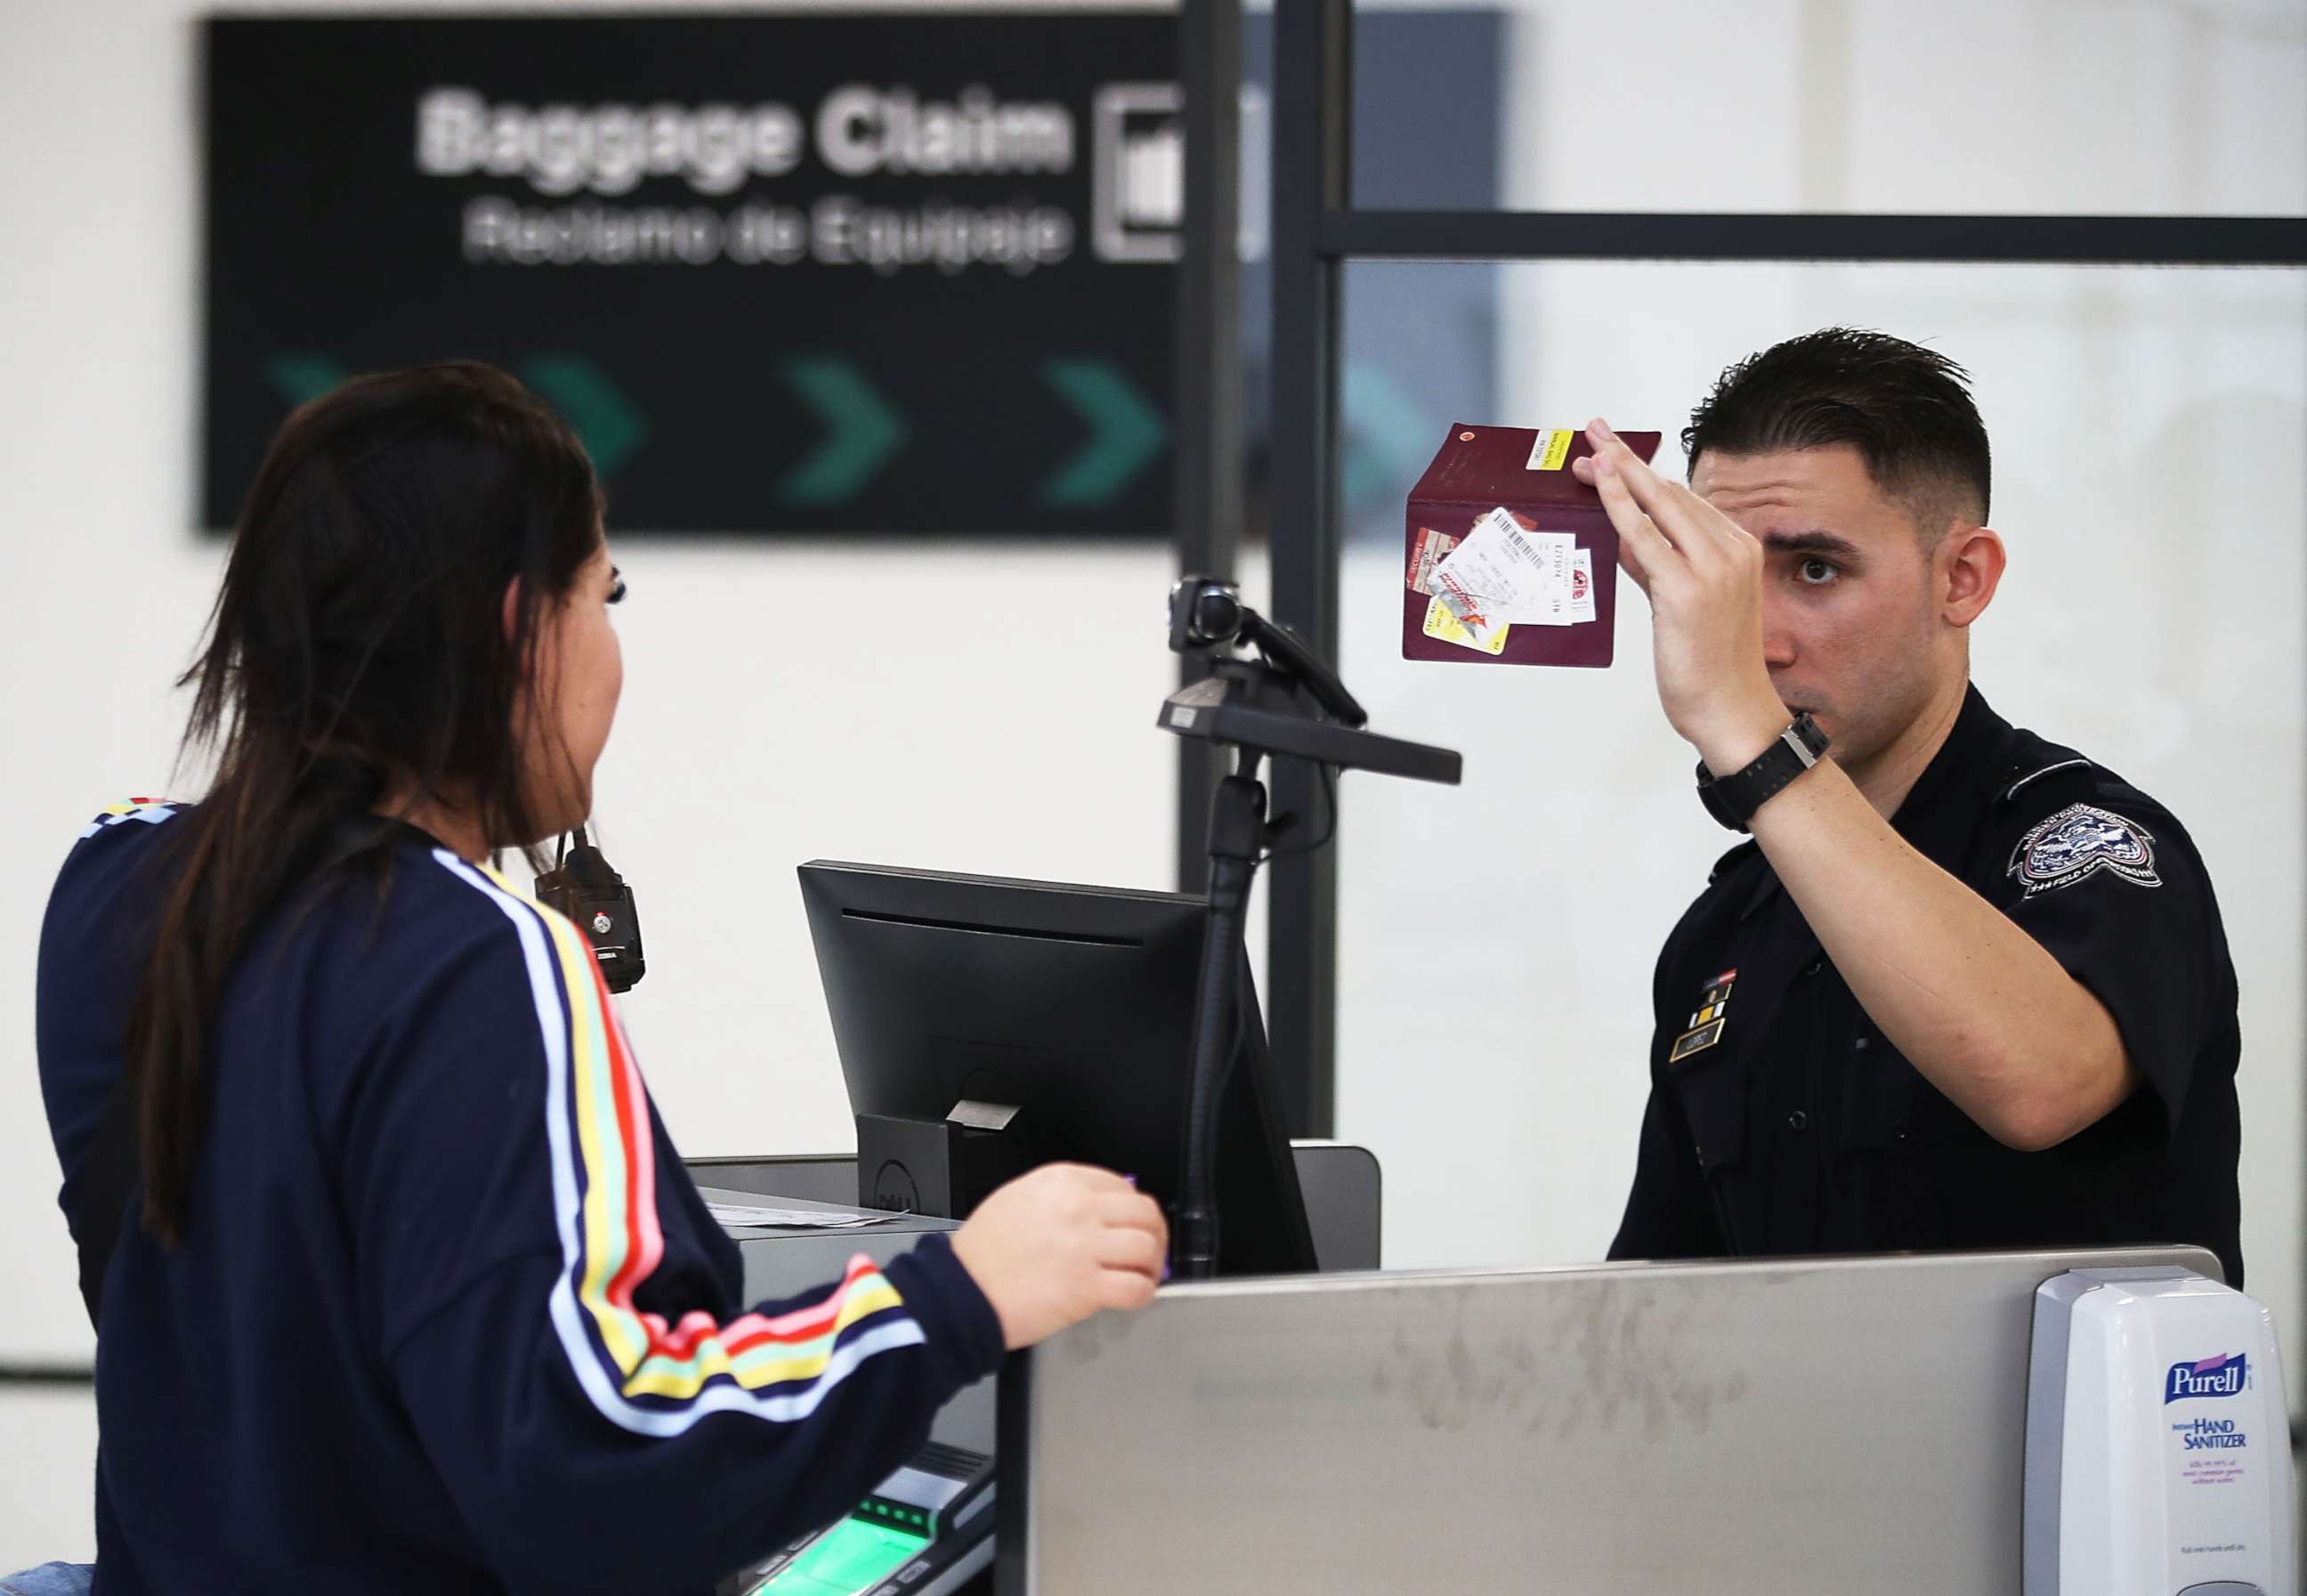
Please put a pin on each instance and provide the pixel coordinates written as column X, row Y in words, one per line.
column 1207, row 617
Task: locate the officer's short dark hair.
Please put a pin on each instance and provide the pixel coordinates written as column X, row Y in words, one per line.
column 1905, row 409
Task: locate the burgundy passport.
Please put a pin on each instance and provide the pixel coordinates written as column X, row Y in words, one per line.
column 1481, row 469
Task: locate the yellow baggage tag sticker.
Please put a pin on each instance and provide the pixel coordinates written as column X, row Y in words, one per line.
column 1551, row 449
column 1482, row 636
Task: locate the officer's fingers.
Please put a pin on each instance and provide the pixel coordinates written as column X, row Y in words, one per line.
column 1633, row 566
column 1643, row 549
column 1620, row 477
column 1685, row 519
column 1685, row 508
column 1587, row 469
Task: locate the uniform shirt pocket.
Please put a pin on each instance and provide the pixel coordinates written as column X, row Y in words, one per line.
column 1711, row 1085
column 1878, row 1095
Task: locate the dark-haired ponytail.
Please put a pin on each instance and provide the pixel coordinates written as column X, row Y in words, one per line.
column 358, row 657
column 232, row 858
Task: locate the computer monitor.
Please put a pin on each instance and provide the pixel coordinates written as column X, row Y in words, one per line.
column 1074, row 1004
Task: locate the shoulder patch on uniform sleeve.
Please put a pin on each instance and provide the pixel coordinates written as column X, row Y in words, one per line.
column 2079, row 842
column 151, row 811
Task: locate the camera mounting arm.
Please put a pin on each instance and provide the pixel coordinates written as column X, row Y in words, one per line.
column 1259, row 707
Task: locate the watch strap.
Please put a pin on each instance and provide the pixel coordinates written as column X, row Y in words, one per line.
column 1733, row 798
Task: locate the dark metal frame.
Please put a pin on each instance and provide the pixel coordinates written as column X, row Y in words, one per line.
column 1970, row 240
column 1208, row 461
column 1316, row 231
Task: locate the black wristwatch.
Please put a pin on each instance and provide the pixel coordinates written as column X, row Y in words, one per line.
column 1733, row 798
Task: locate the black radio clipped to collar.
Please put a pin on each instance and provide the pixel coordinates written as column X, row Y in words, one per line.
column 581, row 886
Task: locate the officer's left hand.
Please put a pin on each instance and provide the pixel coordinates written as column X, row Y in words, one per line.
column 1702, row 573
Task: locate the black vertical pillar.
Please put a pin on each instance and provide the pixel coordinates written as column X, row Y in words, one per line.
column 1208, row 410
column 1311, row 54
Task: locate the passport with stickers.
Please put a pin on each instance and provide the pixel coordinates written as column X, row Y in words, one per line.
column 1508, row 558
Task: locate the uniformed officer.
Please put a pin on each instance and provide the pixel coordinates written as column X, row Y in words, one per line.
column 1965, row 988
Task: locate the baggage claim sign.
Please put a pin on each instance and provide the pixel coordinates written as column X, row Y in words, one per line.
column 868, row 272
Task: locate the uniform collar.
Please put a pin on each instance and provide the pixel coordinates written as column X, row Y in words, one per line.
column 1941, row 809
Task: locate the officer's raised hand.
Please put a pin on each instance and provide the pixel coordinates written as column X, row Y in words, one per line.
column 1703, row 575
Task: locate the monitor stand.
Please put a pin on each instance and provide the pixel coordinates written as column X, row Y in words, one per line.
column 942, row 1168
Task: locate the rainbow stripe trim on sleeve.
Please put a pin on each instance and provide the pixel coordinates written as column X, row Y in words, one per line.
column 647, row 1376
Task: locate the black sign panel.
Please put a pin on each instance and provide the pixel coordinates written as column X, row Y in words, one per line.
column 866, row 273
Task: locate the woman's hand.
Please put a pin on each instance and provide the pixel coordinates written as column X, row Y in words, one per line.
column 1060, row 1243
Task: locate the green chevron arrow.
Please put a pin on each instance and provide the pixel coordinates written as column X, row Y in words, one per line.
column 1386, row 436
column 611, row 428
column 302, row 377
column 861, row 432
column 1126, row 432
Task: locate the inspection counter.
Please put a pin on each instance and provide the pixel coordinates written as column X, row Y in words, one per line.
column 1790, row 1428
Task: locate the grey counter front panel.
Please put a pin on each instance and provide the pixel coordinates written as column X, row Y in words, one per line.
column 1805, row 1427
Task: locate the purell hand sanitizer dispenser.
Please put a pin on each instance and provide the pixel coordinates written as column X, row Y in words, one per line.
column 2159, row 1447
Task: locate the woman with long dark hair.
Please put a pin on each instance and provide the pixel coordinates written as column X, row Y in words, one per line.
column 399, row 1284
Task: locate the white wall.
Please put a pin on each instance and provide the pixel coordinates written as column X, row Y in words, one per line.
column 1968, row 107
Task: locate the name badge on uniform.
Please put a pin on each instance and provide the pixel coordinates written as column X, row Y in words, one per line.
column 1706, row 1021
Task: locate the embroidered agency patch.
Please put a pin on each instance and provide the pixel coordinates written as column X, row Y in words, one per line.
column 2078, row 843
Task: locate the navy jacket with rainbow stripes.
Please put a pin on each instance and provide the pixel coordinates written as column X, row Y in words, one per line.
column 451, row 1315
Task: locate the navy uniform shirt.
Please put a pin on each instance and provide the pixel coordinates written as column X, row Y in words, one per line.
column 1781, row 1120
column 449, row 1314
